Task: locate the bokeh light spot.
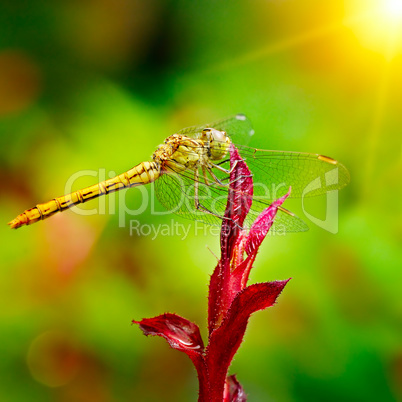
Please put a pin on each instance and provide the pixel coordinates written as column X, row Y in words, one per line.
column 52, row 359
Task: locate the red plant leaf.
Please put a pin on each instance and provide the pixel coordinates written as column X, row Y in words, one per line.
column 250, row 243
column 182, row 335
column 230, row 302
column 261, row 226
column 237, row 207
column 234, row 392
column 239, row 277
column 218, row 295
column 225, row 340
column 240, row 197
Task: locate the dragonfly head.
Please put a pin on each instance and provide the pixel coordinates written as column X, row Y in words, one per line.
column 218, row 142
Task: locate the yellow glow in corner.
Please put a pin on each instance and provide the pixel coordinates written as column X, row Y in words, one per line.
column 393, row 8
column 377, row 24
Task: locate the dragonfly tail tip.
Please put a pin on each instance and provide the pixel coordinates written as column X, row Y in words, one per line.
column 14, row 224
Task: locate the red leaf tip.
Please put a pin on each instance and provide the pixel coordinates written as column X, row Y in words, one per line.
column 180, row 333
column 262, row 224
column 233, row 392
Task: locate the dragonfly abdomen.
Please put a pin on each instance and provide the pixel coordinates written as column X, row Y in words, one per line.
column 144, row 173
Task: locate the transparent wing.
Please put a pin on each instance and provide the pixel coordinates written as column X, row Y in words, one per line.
column 176, row 191
column 238, row 128
column 275, row 171
column 308, row 174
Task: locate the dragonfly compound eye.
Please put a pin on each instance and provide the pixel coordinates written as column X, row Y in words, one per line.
column 219, row 144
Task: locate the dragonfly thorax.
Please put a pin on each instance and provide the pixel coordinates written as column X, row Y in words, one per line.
column 180, row 152
column 218, row 142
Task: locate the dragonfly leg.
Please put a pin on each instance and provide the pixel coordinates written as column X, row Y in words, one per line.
column 196, row 182
column 222, row 162
column 205, row 175
column 228, row 171
column 213, row 175
column 234, row 165
column 197, row 204
column 201, row 208
column 241, row 177
column 221, row 168
column 226, row 178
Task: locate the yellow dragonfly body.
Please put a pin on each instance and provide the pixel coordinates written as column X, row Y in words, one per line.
column 191, row 174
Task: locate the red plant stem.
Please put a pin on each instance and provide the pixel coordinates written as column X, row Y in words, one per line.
column 203, row 380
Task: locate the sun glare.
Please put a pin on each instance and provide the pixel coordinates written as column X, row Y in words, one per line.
column 377, row 24
column 393, row 8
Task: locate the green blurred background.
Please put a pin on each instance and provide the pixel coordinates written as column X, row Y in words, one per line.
column 97, row 85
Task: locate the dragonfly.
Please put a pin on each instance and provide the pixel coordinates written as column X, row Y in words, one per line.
column 191, row 175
